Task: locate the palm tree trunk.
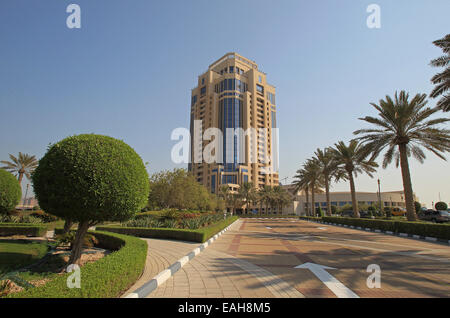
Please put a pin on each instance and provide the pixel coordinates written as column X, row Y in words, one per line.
column 352, row 190
column 313, row 202
column 307, row 200
column 407, row 185
column 327, row 193
column 20, row 177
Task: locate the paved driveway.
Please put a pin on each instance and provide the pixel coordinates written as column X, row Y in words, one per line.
column 257, row 258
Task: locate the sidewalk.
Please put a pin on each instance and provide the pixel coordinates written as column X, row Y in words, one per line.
column 160, row 255
column 213, row 273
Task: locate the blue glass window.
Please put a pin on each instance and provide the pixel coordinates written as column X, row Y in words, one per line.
column 260, row 89
column 213, row 183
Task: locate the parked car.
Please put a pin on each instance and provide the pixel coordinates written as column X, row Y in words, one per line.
column 347, row 213
column 434, row 216
column 365, row 214
column 398, row 211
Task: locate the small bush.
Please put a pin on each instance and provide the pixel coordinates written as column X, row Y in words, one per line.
column 45, row 217
column 10, row 192
column 388, row 212
column 417, row 206
column 69, row 238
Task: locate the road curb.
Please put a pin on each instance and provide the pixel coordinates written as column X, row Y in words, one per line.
column 159, row 279
column 406, row 235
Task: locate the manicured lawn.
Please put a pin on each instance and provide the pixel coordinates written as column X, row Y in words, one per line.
column 15, row 254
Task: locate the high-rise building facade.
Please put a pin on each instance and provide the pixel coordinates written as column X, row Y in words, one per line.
column 233, row 93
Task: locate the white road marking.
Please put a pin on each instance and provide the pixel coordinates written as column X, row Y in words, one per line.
column 339, row 289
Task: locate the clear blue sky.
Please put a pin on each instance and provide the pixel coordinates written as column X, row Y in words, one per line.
column 129, row 70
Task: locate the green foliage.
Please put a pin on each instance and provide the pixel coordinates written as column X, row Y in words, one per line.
column 178, row 189
column 91, row 178
column 174, row 219
column 319, row 212
column 15, row 254
column 441, row 206
column 68, row 238
column 417, row 206
column 334, row 209
column 17, row 219
column 388, row 212
column 198, row 235
column 8, row 229
column 106, row 278
column 310, row 218
column 441, row 231
column 45, row 217
column 10, row 192
column 442, row 79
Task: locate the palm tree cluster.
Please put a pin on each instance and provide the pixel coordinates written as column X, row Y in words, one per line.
column 403, row 127
column 249, row 196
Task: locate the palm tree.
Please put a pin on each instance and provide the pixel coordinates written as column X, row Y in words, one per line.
column 265, row 195
column 23, row 165
column 329, row 169
column 442, row 80
column 302, row 182
column 352, row 159
column 246, row 192
column 224, row 193
column 313, row 174
column 280, row 197
column 404, row 127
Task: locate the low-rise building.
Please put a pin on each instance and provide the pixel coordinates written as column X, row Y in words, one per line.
column 340, row 199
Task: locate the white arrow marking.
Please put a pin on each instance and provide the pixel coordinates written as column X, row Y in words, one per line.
column 329, row 280
column 269, row 228
column 322, row 228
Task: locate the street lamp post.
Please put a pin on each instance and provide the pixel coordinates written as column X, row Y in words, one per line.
column 25, row 198
column 379, row 195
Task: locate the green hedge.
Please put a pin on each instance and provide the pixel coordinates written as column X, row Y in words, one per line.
column 105, row 278
column 8, row 229
column 199, row 235
column 441, row 231
column 310, row 218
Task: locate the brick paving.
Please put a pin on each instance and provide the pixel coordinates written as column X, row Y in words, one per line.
column 257, row 258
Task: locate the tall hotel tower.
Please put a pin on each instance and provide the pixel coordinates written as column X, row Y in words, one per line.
column 234, row 93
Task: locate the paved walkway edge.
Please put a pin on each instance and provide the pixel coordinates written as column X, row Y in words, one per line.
column 407, row 235
column 159, row 279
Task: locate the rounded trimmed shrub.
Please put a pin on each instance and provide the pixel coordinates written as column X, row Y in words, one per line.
column 10, row 192
column 417, row 206
column 91, row 177
column 441, row 206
